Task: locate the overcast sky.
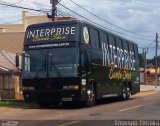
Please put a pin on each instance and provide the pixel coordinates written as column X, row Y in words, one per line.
column 138, row 16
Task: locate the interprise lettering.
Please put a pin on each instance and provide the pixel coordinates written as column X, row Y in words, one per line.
column 54, row 33
column 119, row 60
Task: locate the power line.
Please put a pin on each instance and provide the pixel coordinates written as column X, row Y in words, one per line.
column 10, row 17
column 13, row 3
column 7, row 58
column 62, row 13
column 21, row 7
column 150, row 44
column 101, row 25
column 108, row 21
column 13, row 21
column 15, row 6
column 37, row 3
column 143, row 4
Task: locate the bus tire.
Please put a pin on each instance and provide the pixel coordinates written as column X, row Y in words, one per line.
column 125, row 93
column 91, row 97
column 128, row 93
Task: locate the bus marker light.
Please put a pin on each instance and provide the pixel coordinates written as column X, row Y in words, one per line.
column 29, row 88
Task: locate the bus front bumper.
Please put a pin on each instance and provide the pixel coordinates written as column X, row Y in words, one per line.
column 52, row 95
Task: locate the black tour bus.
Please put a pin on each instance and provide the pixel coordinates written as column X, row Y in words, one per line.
column 75, row 61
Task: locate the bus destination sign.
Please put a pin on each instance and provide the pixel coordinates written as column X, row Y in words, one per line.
column 51, row 34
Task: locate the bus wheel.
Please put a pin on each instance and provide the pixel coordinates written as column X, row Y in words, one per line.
column 43, row 104
column 91, row 98
column 125, row 93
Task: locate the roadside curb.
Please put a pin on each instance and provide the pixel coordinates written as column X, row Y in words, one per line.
column 147, row 90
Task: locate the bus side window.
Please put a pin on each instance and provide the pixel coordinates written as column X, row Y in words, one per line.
column 119, row 53
column 112, row 48
column 106, row 39
column 131, row 51
column 115, row 50
column 125, row 54
column 119, row 43
column 26, row 62
column 85, row 62
column 131, row 56
column 103, row 39
column 95, row 38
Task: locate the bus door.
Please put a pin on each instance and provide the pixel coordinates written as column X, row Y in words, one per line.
column 85, row 63
column 85, row 68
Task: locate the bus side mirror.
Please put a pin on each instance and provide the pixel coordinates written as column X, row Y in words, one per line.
column 88, row 62
column 83, row 69
column 17, row 60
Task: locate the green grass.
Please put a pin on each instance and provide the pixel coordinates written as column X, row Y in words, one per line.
column 16, row 103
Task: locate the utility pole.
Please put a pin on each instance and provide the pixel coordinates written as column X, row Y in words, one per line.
column 156, row 76
column 54, row 8
column 145, row 51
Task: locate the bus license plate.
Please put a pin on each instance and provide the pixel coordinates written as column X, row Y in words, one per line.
column 67, row 99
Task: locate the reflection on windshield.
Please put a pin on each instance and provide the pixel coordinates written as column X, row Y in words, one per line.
column 57, row 62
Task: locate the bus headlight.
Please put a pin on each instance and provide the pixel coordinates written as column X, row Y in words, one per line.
column 29, row 88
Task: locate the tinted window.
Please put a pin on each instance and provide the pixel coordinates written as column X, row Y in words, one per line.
column 106, row 37
column 103, row 38
column 58, row 62
column 112, row 47
column 112, row 40
column 82, row 61
column 125, row 45
column 131, row 48
column 95, row 38
column 119, row 43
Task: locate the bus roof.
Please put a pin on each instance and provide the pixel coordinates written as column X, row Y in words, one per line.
column 75, row 21
column 54, row 23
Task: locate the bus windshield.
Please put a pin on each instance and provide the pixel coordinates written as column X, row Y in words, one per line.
column 57, row 62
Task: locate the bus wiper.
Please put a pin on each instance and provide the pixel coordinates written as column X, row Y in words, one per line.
column 43, row 66
column 51, row 65
column 40, row 70
column 57, row 71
